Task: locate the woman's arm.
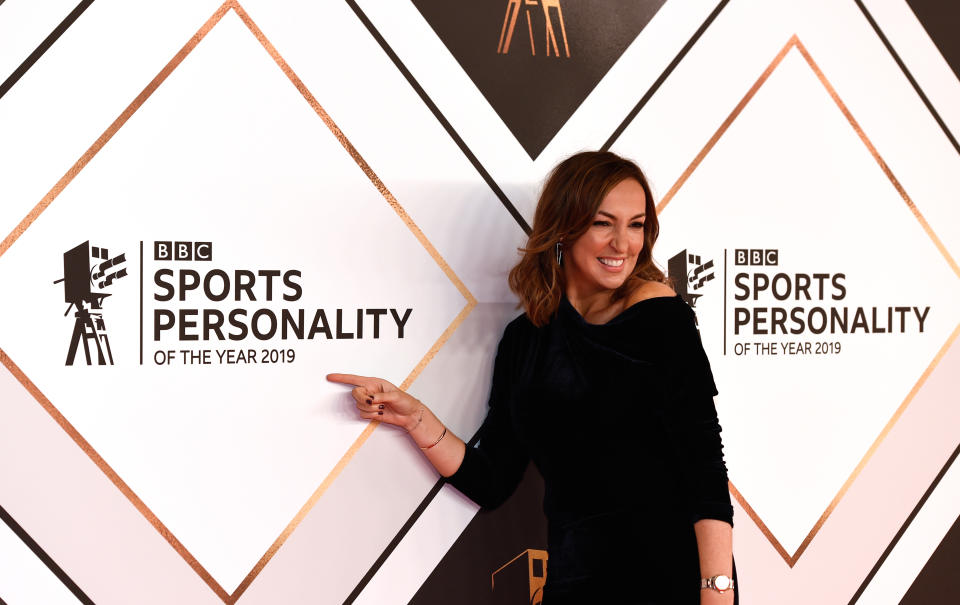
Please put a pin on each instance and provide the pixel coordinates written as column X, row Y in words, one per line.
column 715, row 543
column 442, row 448
column 446, row 455
column 697, row 429
column 377, row 399
column 487, row 473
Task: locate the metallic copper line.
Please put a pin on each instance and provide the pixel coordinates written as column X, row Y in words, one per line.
column 876, row 443
column 439, row 343
column 533, row 49
column 392, row 201
column 85, row 159
column 726, row 124
column 505, row 46
column 298, row 83
column 32, row 216
column 936, row 360
column 549, row 33
column 109, row 472
column 876, row 155
column 563, row 30
column 111, row 130
column 492, row 585
column 302, row 513
column 760, row 524
column 344, row 460
column 503, row 30
column 794, row 41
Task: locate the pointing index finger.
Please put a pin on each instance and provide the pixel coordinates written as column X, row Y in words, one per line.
column 360, row 381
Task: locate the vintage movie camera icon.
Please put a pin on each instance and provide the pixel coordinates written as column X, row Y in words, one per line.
column 87, row 273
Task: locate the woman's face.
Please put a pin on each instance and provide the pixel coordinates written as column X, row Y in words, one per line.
column 606, row 254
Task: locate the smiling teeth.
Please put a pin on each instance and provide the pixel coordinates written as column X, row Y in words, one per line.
column 612, row 262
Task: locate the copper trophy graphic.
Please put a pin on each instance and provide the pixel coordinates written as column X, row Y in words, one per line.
column 522, row 576
column 88, row 271
column 510, row 22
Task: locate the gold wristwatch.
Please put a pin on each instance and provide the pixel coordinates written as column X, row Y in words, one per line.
column 719, row 583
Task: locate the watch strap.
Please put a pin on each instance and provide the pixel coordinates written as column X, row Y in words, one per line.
column 711, row 582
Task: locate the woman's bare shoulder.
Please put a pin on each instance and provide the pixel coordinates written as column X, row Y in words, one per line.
column 650, row 289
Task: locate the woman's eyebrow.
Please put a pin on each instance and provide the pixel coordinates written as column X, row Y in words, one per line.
column 641, row 215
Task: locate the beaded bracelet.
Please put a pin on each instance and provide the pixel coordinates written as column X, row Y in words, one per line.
column 442, row 435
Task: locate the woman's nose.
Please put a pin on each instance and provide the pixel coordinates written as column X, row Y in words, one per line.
column 619, row 242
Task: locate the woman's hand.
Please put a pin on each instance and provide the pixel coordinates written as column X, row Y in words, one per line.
column 377, row 399
column 380, row 400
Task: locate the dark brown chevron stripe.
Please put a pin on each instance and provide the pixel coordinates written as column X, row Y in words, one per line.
column 439, row 115
column 663, row 76
column 906, row 524
column 44, row 46
column 535, row 61
column 909, row 76
column 44, row 557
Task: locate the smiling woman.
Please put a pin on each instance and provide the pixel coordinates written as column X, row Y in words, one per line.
column 597, row 210
column 604, row 385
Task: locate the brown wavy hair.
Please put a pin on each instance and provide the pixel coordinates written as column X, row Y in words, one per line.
column 567, row 206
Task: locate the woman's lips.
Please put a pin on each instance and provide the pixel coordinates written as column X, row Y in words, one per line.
column 611, row 264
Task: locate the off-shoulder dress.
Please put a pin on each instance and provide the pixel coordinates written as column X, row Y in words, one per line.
column 619, row 419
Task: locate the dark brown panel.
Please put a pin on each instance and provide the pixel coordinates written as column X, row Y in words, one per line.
column 906, row 524
column 535, row 61
column 490, row 541
column 941, row 19
column 937, row 581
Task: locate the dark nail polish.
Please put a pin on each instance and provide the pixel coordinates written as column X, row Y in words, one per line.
column 381, row 406
column 381, row 413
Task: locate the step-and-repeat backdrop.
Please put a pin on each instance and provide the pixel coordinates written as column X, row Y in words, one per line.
column 207, row 207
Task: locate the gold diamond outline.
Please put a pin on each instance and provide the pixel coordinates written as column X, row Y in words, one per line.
column 230, row 598
column 794, row 42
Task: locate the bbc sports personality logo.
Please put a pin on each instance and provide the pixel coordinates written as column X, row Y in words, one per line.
column 689, row 275
column 88, row 272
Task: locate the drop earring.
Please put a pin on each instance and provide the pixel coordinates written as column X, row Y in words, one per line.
column 559, row 254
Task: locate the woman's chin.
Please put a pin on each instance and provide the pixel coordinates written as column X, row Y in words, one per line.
column 612, row 282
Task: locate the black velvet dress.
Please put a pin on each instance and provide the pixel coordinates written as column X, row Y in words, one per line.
column 620, row 421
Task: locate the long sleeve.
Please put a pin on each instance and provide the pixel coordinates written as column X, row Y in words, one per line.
column 491, row 470
column 696, row 427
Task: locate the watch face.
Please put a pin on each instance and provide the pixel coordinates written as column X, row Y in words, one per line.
column 721, row 582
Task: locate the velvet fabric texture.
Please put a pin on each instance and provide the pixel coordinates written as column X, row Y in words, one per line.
column 620, row 421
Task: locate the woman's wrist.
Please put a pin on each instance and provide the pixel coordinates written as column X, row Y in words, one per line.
column 426, row 432
column 417, row 420
column 712, row 597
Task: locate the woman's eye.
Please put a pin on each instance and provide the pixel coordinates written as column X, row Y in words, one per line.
column 601, row 223
column 637, row 225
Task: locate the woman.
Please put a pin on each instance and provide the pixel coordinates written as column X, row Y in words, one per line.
column 604, row 384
